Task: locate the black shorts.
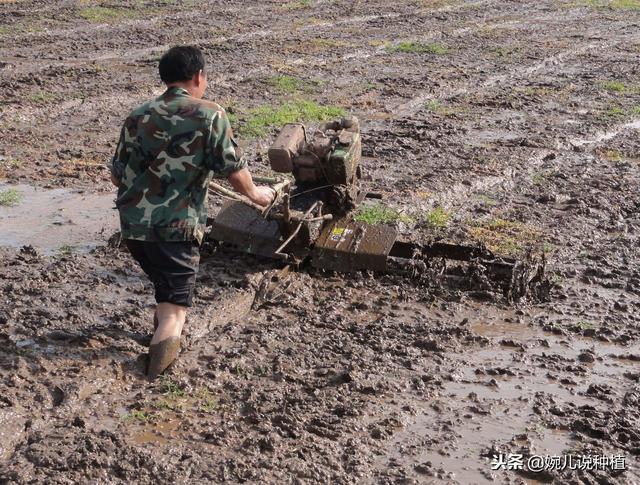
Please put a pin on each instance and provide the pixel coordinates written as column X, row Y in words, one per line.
column 171, row 267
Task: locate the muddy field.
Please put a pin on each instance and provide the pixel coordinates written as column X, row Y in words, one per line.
column 510, row 123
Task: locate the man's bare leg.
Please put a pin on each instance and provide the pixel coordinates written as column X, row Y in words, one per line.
column 165, row 344
column 170, row 320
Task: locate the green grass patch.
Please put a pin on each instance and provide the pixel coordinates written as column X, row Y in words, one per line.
column 613, row 112
column 438, row 217
column 617, row 112
column 100, row 14
column 537, row 92
column 615, row 86
column 10, row 197
column 504, row 237
column 411, row 47
column 260, row 120
column 284, row 84
column 613, row 4
column 41, row 97
column 297, row 5
column 379, row 214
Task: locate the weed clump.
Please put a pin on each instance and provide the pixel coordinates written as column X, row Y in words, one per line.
column 261, row 119
column 99, row 14
column 613, row 4
column 10, row 197
column 615, row 86
column 509, row 238
column 297, row 5
column 42, row 97
column 380, row 214
column 438, row 218
column 290, row 85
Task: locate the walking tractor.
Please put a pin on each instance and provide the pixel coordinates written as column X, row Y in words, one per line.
column 311, row 221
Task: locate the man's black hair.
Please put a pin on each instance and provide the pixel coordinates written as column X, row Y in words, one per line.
column 180, row 63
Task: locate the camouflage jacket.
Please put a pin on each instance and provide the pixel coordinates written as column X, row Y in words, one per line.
column 168, row 151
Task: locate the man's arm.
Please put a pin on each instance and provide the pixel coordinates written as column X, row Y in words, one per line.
column 119, row 160
column 227, row 162
column 242, row 182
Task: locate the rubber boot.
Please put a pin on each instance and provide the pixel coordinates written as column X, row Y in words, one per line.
column 162, row 355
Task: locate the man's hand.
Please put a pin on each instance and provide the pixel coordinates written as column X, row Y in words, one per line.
column 115, row 181
column 242, row 182
column 263, row 195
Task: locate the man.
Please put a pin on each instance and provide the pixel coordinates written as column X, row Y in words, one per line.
column 168, row 151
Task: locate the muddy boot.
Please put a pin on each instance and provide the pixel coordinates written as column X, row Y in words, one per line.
column 162, row 355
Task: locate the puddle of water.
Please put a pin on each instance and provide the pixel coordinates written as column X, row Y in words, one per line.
column 507, row 400
column 505, row 329
column 51, row 219
column 158, row 433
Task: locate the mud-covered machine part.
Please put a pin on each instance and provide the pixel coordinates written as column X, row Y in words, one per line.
column 311, row 220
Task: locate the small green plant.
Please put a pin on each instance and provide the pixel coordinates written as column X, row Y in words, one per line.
column 139, row 416
column 438, row 217
column 10, row 197
column 261, row 119
column 540, row 178
column 66, row 250
column 209, row 405
column 261, row 371
column 411, row 47
column 584, row 325
column 296, row 5
column 434, row 106
column 379, row 214
column 170, row 388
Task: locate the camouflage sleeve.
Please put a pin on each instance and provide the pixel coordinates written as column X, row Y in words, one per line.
column 225, row 156
column 119, row 161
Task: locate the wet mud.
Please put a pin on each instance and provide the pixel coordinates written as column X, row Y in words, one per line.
column 524, row 131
